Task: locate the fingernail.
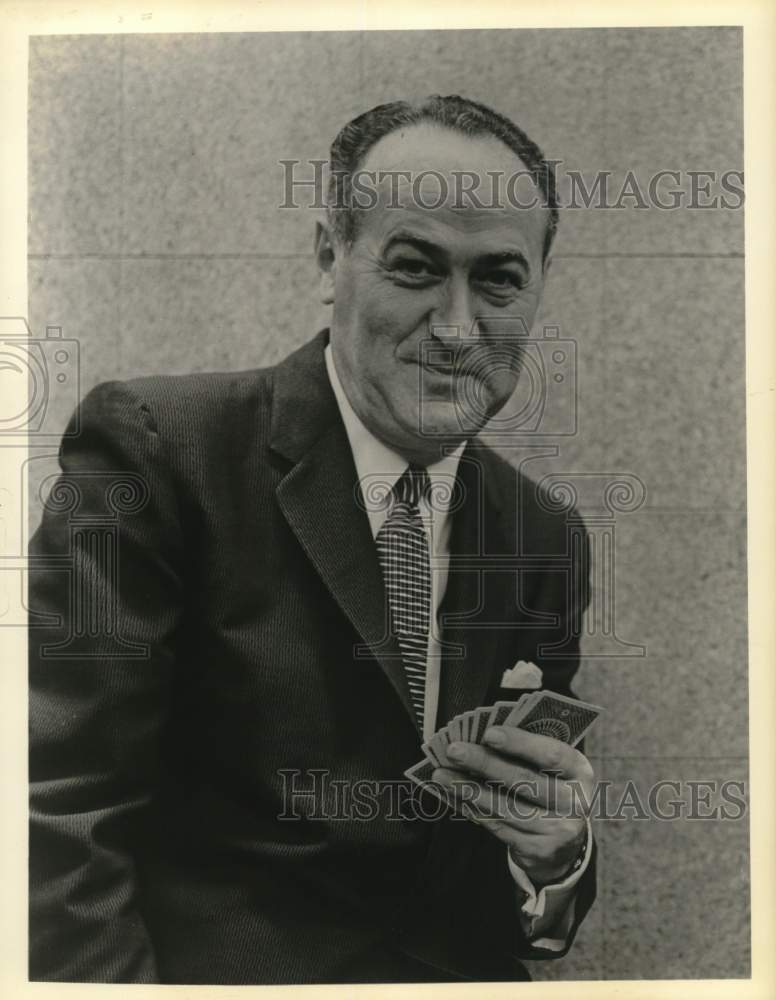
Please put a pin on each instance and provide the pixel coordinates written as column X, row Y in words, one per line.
column 456, row 751
column 495, row 737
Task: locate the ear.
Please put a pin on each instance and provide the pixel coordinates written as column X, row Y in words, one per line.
column 326, row 259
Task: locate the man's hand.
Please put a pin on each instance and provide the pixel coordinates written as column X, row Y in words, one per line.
column 532, row 792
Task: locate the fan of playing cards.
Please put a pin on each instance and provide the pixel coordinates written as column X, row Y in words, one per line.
column 544, row 712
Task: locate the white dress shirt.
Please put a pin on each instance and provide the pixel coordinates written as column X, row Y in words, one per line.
column 546, row 916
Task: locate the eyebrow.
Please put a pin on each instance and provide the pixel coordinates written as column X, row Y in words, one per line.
column 424, row 246
column 506, row 257
column 496, row 258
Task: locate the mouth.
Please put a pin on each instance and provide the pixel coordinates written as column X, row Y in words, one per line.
column 445, row 369
column 455, row 368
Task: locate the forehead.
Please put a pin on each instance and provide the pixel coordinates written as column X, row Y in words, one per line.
column 421, row 175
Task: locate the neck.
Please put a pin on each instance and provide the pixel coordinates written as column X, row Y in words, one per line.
column 425, row 453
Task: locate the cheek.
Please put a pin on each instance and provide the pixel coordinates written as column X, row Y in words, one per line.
column 508, row 347
column 396, row 313
column 498, row 370
column 502, row 380
column 527, row 306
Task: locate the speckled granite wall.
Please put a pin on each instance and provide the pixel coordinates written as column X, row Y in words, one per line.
column 155, row 240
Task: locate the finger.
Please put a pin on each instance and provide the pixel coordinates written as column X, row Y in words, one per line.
column 536, row 840
column 480, row 800
column 546, row 791
column 543, row 752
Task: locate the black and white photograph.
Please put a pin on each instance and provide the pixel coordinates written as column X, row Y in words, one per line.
column 379, row 528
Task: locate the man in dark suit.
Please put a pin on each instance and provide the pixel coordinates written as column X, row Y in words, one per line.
column 235, row 635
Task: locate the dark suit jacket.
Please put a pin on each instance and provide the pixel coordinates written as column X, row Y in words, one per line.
column 207, row 619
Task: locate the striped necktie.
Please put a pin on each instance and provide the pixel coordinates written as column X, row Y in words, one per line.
column 402, row 547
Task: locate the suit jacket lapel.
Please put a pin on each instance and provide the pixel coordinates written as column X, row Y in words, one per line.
column 476, row 598
column 318, row 497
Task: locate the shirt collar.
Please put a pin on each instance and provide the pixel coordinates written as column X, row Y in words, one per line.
column 377, row 463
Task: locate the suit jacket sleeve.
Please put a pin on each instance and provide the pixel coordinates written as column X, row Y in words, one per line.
column 97, row 702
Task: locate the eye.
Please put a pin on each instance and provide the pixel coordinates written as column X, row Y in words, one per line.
column 413, row 266
column 414, row 270
column 502, row 280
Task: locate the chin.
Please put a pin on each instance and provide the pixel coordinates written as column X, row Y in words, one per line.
column 444, row 423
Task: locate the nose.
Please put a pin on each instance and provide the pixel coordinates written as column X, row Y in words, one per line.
column 454, row 317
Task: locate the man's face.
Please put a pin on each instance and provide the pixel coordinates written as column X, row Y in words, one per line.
column 431, row 305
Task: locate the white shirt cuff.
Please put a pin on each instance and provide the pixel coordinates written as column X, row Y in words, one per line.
column 547, row 916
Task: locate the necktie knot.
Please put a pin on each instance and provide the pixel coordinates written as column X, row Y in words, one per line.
column 412, row 485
